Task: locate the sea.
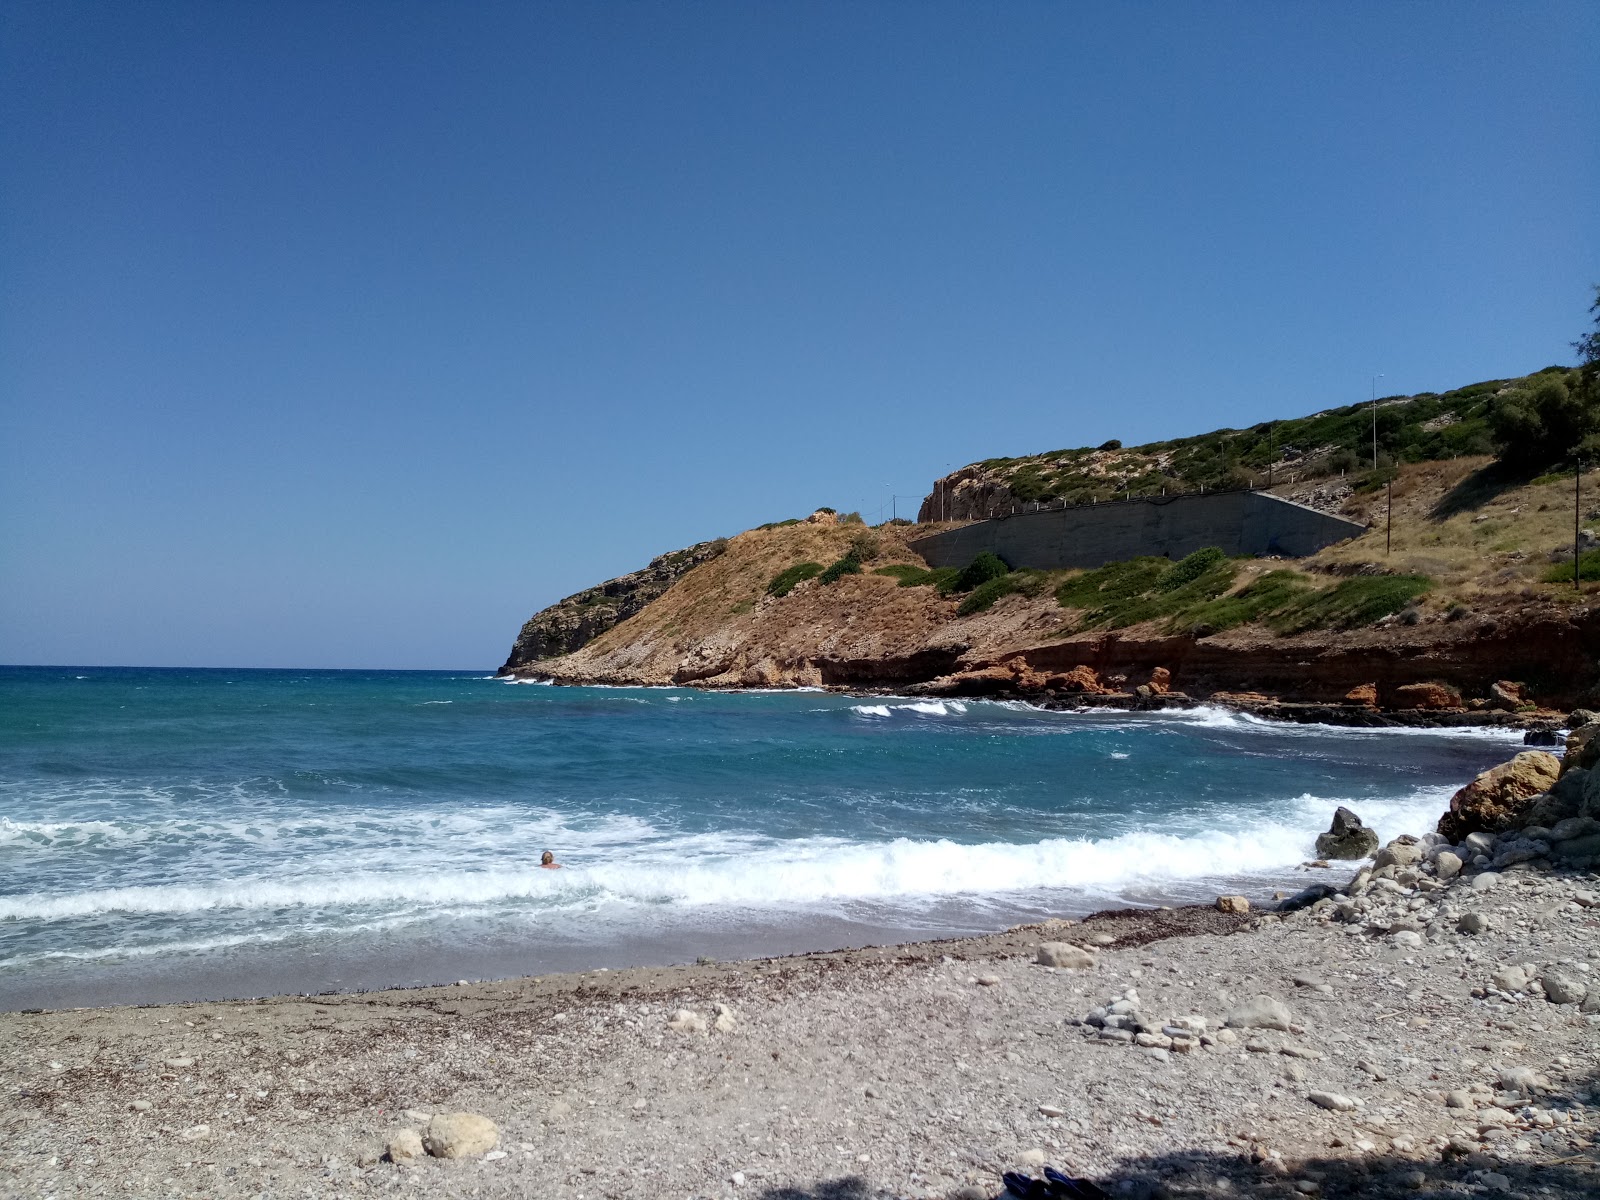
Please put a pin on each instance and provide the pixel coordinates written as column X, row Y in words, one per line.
column 185, row 834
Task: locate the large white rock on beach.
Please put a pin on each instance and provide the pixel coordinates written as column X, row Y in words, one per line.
column 1260, row 1012
column 460, row 1135
column 404, row 1146
column 1401, row 852
column 1563, row 985
column 1064, row 954
column 1333, row 1101
column 686, row 1020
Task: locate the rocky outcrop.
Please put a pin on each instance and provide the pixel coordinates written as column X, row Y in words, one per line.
column 1347, row 837
column 1497, row 799
column 573, row 623
column 1434, row 696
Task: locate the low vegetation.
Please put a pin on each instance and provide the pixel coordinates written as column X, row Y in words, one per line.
column 1351, row 603
column 1196, row 595
column 1531, row 422
column 943, row 578
column 848, row 564
column 1588, row 569
column 786, row 580
column 981, row 570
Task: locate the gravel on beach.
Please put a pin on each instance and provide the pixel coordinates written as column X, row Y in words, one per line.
column 1367, row 1044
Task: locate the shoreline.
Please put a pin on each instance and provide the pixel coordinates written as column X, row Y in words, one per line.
column 152, row 984
column 917, row 1071
column 1294, row 712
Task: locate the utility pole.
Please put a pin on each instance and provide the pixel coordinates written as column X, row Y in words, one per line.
column 1388, row 522
column 1375, row 379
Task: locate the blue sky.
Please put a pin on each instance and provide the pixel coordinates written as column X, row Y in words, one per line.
column 339, row 334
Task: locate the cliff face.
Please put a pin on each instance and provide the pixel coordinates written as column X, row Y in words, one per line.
column 570, row 624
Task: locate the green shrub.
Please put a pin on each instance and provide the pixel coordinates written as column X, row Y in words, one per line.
column 779, row 524
column 840, row 567
column 1271, row 593
column 852, row 518
column 910, row 576
column 1588, row 568
column 1352, row 603
column 1189, row 568
column 1114, row 581
column 980, row 570
column 784, row 581
column 985, row 594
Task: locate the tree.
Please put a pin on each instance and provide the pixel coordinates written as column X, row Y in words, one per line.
column 1588, row 346
column 1559, row 418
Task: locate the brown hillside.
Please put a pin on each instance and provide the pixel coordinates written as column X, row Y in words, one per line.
column 1485, row 544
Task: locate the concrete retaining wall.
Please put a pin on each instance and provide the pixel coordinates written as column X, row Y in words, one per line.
column 1239, row 523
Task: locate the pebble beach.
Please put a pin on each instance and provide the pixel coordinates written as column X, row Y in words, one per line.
column 1419, row 1036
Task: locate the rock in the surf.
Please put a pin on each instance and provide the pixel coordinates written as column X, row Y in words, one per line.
column 1064, row 954
column 460, row 1135
column 1347, row 837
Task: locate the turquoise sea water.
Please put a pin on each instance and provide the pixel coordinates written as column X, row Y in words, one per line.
column 178, row 833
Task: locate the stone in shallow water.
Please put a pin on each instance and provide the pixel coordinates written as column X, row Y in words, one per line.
column 1347, row 837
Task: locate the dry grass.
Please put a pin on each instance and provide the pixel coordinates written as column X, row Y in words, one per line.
column 1475, row 533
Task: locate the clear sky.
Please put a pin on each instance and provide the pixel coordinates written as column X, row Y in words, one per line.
column 349, row 334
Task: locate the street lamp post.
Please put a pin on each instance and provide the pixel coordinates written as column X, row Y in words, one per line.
column 1375, row 379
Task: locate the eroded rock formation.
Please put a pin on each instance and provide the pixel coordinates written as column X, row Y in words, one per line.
column 574, row 622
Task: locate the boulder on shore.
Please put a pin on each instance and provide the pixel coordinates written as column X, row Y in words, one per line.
column 460, row 1135
column 1432, row 696
column 1498, row 798
column 1347, row 837
column 1507, row 695
column 1363, row 693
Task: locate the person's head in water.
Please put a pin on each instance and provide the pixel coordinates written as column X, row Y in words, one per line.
column 548, row 861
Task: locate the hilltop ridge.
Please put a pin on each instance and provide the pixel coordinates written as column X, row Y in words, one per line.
column 1426, row 427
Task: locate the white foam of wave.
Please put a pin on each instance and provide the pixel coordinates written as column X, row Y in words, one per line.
column 927, row 708
column 101, row 953
column 749, row 871
column 313, row 833
column 1388, row 817
column 1210, row 717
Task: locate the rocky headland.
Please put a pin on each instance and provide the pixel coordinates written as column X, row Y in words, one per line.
column 1428, row 1026
column 1483, row 642
column 574, row 622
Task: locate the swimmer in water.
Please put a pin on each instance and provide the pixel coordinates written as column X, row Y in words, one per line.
column 548, row 861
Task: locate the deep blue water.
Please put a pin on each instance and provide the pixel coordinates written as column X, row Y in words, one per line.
column 179, row 832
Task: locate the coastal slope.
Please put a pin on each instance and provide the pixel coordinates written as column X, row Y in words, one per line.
column 1475, row 550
